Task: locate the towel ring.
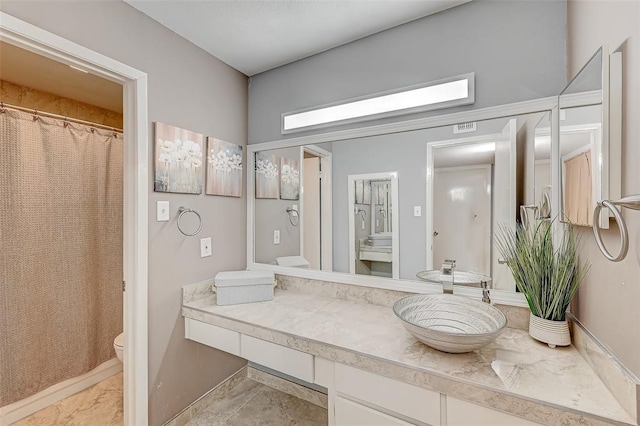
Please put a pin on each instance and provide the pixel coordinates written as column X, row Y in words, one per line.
column 183, row 211
column 632, row 202
column 294, row 216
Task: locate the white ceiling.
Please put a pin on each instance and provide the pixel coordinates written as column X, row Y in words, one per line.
column 250, row 35
column 254, row 36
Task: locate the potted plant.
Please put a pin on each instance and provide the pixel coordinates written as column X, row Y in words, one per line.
column 546, row 269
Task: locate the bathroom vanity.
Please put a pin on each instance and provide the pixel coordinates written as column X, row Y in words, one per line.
column 347, row 340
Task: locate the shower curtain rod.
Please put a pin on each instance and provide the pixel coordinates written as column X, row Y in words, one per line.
column 37, row 113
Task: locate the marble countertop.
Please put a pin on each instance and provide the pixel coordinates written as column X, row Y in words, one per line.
column 515, row 374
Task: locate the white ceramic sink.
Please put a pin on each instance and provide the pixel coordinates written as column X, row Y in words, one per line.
column 450, row 323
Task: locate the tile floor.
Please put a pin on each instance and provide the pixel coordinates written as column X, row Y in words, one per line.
column 101, row 404
column 252, row 403
column 248, row 403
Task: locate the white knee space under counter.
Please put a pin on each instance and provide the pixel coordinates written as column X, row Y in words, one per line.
column 377, row 373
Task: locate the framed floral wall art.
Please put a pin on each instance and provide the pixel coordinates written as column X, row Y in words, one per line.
column 224, row 168
column 267, row 175
column 178, row 160
column 289, row 179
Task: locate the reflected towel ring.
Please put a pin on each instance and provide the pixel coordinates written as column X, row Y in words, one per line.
column 294, row 216
column 631, row 202
column 184, row 210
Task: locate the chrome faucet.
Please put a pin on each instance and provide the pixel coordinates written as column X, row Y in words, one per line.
column 446, row 276
column 486, row 296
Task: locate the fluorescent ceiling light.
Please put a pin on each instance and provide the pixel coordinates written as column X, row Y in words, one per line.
column 442, row 94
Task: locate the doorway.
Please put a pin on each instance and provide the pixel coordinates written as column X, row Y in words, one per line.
column 315, row 208
column 136, row 153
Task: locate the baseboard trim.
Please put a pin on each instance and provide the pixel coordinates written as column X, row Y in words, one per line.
column 200, row 404
column 19, row 410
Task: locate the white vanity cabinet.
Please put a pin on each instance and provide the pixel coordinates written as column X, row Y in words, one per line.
column 356, row 397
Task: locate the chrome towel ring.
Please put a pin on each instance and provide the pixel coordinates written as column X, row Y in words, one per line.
column 183, row 211
column 632, row 202
column 294, row 216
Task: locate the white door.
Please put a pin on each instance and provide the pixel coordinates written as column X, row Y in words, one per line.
column 462, row 221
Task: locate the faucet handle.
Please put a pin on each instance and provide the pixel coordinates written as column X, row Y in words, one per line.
column 449, row 264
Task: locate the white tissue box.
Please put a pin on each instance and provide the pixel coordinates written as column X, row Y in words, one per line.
column 235, row 287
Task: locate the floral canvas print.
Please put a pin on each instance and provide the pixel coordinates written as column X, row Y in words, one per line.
column 267, row 175
column 224, row 168
column 289, row 179
column 178, row 160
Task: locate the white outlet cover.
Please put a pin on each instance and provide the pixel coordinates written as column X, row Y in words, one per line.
column 417, row 211
column 205, row 247
column 276, row 236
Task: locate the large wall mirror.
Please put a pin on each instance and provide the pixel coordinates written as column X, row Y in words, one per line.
column 388, row 203
column 399, row 203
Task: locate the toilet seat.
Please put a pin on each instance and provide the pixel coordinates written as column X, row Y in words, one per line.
column 119, row 340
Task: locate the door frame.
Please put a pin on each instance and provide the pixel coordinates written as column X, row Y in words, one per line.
column 395, row 222
column 430, row 182
column 326, row 213
column 136, row 193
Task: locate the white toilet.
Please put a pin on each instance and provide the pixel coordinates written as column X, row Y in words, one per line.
column 118, row 345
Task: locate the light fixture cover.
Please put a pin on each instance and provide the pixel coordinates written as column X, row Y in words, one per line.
column 439, row 94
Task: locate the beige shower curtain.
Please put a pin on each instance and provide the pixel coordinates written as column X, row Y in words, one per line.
column 61, row 251
column 578, row 196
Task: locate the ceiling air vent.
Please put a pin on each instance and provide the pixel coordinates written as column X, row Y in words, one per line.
column 464, row 127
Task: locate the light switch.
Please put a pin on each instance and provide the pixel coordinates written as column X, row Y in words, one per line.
column 162, row 211
column 417, row 211
column 276, row 236
column 205, row 247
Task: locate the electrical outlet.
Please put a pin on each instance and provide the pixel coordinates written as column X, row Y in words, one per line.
column 276, row 236
column 162, row 211
column 417, row 211
column 205, row 247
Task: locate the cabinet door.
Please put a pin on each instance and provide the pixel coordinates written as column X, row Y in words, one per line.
column 461, row 413
column 408, row 400
column 349, row 413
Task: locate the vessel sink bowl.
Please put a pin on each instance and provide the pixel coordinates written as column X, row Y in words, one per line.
column 450, row 323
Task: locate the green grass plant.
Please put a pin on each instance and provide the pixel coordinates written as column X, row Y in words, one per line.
column 547, row 275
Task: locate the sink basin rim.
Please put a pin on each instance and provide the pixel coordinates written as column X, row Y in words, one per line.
column 451, row 342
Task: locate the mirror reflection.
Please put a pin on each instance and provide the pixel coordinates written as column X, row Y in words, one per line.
column 581, row 143
column 398, row 204
column 373, row 248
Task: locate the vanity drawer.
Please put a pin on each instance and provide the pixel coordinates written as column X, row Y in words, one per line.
column 211, row 335
column 462, row 413
column 288, row 361
column 349, row 413
column 376, row 256
column 402, row 398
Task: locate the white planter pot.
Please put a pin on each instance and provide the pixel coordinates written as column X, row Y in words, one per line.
column 553, row 333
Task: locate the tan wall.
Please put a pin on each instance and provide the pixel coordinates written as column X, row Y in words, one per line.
column 608, row 300
column 191, row 89
column 27, row 97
